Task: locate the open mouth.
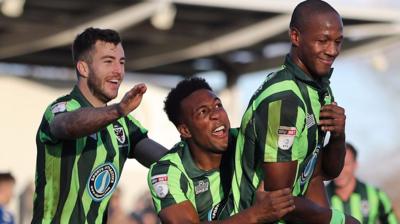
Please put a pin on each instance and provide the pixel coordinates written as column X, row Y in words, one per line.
column 220, row 131
column 114, row 82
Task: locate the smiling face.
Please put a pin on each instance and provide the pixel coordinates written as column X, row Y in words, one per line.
column 318, row 43
column 205, row 122
column 106, row 70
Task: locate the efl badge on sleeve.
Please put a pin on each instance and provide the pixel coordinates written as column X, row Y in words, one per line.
column 286, row 137
column 59, row 107
column 160, row 184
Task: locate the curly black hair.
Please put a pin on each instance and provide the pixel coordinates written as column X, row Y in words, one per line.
column 172, row 103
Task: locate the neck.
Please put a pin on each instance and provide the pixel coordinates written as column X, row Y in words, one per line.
column 296, row 60
column 87, row 93
column 345, row 191
column 204, row 159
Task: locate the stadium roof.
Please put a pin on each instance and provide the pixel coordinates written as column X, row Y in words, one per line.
column 181, row 37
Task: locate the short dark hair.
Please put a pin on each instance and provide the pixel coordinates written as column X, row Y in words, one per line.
column 350, row 147
column 6, row 177
column 172, row 103
column 85, row 41
column 306, row 10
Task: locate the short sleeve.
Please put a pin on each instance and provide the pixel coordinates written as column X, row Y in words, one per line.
column 136, row 133
column 60, row 106
column 168, row 185
column 278, row 125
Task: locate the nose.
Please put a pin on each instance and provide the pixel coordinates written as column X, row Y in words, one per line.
column 333, row 49
column 216, row 113
column 118, row 68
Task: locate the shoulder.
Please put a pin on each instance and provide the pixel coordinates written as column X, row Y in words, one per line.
column 277, row 86
column 172, row 159
column 62, row 104
column 136, row 123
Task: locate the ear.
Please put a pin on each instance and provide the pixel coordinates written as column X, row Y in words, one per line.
column 184, row 131
column 83, row 68
column 294, row 35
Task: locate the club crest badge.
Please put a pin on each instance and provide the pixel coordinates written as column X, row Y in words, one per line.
column 119, row 132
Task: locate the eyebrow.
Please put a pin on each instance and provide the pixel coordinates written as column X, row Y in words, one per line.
column 111, row 57
column 202, row 106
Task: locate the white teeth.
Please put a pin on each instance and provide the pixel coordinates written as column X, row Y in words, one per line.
column 220, row 128
column 114, row 81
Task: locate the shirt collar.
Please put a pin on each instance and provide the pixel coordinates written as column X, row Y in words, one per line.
column 190, row 166
column 302, row 76
column 77, row 94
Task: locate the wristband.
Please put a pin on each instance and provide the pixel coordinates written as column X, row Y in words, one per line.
column 337, row 217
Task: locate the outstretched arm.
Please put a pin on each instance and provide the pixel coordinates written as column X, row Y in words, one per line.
column 148, row 151
column 333, row 119
column 86, row 121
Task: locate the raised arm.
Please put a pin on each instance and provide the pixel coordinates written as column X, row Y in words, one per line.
column 85, row 121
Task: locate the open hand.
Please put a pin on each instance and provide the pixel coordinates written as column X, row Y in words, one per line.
column 132, row 99
column 273, row 205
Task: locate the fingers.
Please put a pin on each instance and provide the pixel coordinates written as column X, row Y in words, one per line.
column 132, row 99
column 278, row 199
column 332, row 118
column 286, row 210
column 139, row 89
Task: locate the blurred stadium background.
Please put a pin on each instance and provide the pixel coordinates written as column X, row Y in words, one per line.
column 232, row 43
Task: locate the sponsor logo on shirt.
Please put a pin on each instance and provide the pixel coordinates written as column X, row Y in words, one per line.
column 102, row 181
column 201, row 186
column 160, row 185
column 286, row 137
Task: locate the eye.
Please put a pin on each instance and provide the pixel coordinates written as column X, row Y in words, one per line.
column 219, row 105
column 339, row 42
column 202, row 111
column 122, row 62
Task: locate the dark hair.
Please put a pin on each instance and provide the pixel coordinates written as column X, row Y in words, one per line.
column 6, row 177
column 352, row 149
column 85, row 41
column 306, row 10
column 172, row 103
